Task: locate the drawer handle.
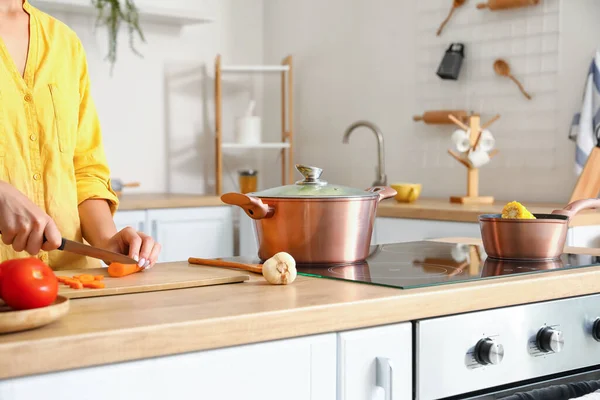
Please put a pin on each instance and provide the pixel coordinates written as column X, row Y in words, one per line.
column 384, row 376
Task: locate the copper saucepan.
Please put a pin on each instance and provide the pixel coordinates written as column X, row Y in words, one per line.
column 315, row 222
column 542, row 238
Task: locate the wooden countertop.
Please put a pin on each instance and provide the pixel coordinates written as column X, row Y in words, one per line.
column 147, row 201
column 133, row 326
column 443, row 210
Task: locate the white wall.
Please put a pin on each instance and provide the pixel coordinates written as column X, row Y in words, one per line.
column 376, row 60
column 157, row 112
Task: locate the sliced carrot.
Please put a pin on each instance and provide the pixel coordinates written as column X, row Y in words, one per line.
column 94, row 285
column 118, row 270
column 99, row 277
column 85, row 278
column 62, row 279
column 75, row 284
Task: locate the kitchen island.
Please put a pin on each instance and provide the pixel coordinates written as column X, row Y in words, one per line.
column 252, row 339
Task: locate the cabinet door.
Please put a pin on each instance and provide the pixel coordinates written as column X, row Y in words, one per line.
column 135, row 218
column 375, row 363
column 205, row 232
column 292, row 369
column 394, row 230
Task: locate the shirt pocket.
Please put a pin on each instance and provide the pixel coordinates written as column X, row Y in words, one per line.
column 66, row 116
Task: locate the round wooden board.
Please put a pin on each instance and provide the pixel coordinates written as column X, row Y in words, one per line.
column 16, row 321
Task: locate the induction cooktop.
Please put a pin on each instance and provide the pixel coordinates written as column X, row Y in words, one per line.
column 423, row 263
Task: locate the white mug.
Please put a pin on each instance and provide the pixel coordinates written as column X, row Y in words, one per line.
column 478, row 158
column 487, row 141
column 461, row 140
column 248, row 130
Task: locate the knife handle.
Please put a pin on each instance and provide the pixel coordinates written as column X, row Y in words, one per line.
column 62, row 242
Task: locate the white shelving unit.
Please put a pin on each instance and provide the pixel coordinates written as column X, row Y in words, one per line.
column 166, row 15
column 275, row 145
column 255, row 68
column 286, row 146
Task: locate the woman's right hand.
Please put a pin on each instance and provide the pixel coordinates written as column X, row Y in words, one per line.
column 23, row 224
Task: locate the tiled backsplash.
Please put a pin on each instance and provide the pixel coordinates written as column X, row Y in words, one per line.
column 528, row 40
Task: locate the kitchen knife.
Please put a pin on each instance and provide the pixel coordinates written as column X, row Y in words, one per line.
column 94, row 252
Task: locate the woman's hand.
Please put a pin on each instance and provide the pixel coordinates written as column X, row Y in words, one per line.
column 23, row 224
column 137, row 245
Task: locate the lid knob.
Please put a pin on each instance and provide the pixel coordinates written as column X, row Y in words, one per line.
column 311, row 175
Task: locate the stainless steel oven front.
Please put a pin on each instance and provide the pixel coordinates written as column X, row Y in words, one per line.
column 494, row 354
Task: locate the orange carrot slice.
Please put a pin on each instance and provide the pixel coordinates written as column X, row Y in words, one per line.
column 85, row 278
column 94, row 285
column 98, row 277
column 118, row 270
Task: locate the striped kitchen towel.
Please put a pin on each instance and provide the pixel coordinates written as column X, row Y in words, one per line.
column 586, row 123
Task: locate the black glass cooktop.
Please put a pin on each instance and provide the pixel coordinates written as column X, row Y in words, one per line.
column 420, row 264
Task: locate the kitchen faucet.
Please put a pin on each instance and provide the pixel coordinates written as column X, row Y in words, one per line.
column 381, row 177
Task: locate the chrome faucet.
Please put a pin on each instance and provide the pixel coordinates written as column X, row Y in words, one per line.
column 381, row 177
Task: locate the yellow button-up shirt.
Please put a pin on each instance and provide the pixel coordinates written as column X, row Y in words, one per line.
column 50, row 141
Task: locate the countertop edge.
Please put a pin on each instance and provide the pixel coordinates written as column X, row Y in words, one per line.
column 176, row 338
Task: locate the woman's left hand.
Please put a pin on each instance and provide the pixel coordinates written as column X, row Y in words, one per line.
column 137, row 245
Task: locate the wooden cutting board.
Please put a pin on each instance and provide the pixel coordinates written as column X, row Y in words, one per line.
column 160, row 277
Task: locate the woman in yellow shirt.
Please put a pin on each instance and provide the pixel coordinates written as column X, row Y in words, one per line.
column 54, row 179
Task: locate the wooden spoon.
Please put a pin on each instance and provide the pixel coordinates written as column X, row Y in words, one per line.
column 455, row 5
column 227, row 264
column 502, row 68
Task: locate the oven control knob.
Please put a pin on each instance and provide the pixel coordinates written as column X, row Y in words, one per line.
column 596, row 329
column 487, row 351
column 550, row 340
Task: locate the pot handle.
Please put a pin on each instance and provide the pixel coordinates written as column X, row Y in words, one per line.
column 384, row 192
column 573, row 208
column 253, row 206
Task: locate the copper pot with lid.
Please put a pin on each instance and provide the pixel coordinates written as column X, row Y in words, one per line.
column 312, row 220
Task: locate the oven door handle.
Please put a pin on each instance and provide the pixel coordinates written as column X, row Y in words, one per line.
column 384, row 376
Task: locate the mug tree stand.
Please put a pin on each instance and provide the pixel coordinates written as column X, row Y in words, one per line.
column 474, row 130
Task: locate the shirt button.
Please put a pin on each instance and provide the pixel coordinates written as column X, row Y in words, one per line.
column 32, row 137
column 28, row 97
column 36, row 176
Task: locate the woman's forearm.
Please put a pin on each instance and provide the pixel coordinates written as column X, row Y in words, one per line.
column 97, row 224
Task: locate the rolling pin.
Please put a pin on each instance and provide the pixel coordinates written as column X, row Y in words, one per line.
column 440, row 116
column 505, row 4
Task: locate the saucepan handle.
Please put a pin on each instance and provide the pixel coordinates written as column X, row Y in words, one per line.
column 384, row 192
column 578, row 205
column 253, row 206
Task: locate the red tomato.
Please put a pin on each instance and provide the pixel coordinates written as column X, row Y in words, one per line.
column 4, row 265
column 28, row 283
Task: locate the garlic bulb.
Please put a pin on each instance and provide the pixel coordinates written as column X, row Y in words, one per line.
column 280, row 269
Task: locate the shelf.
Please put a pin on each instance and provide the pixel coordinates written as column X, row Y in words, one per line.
column 255, row 68
column 275, row 145
column 160, row 15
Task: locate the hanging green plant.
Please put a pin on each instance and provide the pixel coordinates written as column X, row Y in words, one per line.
column 112, row 14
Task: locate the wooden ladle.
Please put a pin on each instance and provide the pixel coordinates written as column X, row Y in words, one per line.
column 455, row 5
column 503, row 69
column 257, row 268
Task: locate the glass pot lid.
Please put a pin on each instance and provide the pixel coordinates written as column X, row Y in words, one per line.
column 312, row 187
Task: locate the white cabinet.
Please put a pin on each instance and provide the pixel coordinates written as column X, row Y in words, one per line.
column 292, row 369
column 375, row 363
column 391, row 230
column 205, row 232
column 135, row 218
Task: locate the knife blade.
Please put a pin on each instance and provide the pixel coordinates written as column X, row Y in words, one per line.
column 94, row 252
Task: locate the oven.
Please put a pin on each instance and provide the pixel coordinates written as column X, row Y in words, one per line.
column 548, row 350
